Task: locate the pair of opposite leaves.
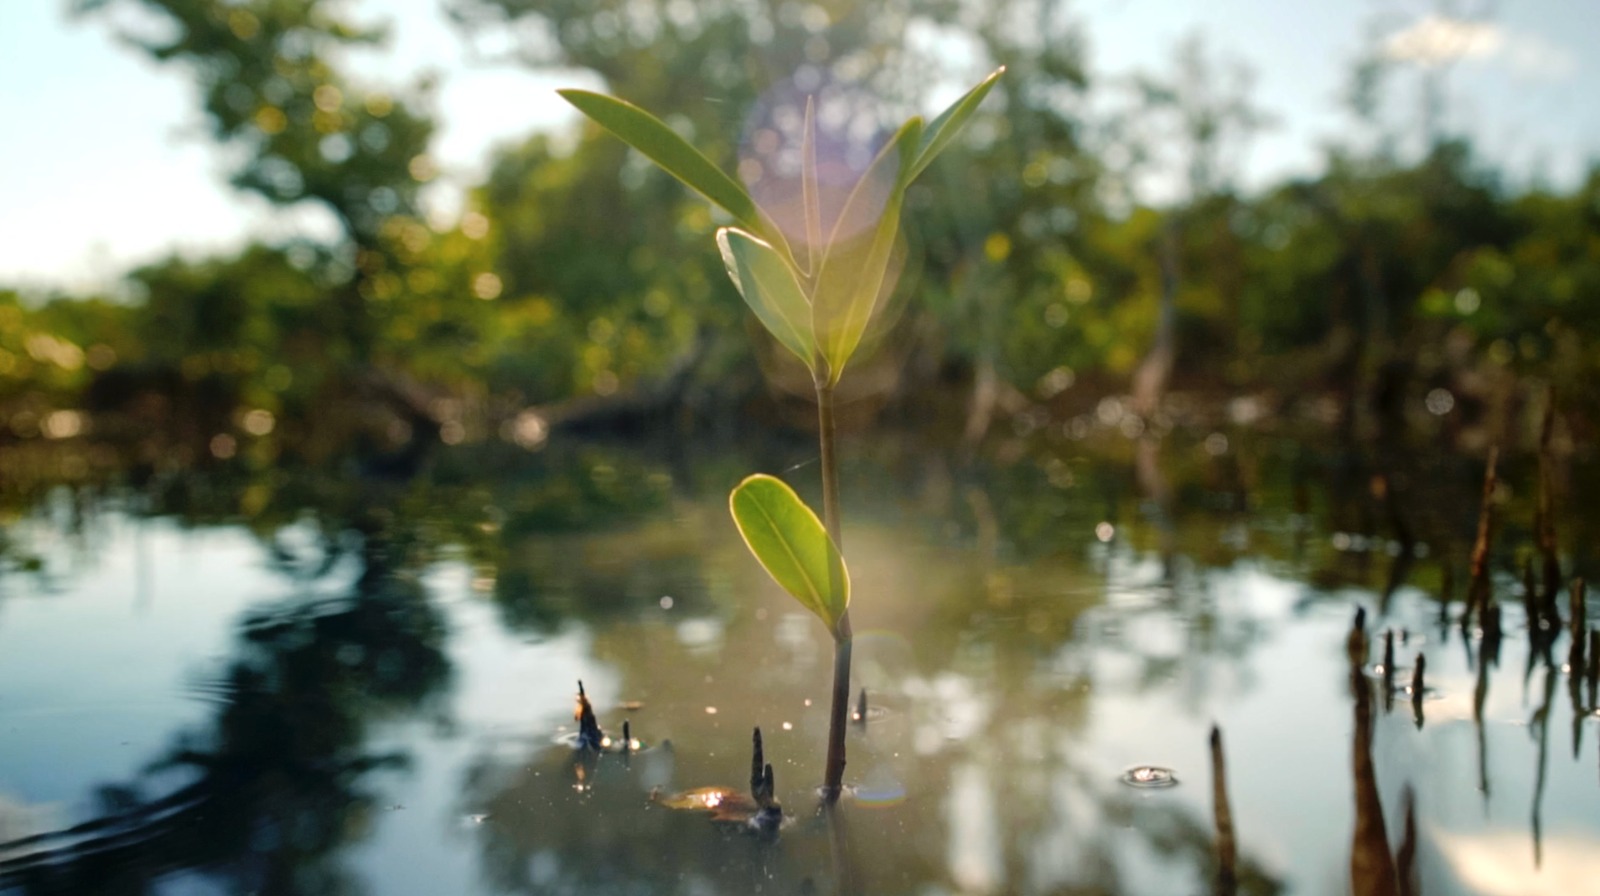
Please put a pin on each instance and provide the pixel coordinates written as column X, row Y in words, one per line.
column 817, row 307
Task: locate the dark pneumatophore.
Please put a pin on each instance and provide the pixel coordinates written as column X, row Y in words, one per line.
column 769, row 815
column 1481, row 605
column 1544, row 526
column 1388, row 669
column 590, row 737
column 1577, row 627
column 1417, row 686
column 1227, row 846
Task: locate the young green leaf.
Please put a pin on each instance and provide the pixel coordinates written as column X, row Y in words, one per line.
column 790, row 542
column 949, row 123
column 852, row 271
column 811, row 196
column 662, row 145
column 769, row 287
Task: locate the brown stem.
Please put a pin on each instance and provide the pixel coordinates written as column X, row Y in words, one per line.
column 833, row 775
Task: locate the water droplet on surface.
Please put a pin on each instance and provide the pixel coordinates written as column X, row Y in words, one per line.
column 874, row 713
column 1149, row 776
column 1429, row 692
column 1376, row 671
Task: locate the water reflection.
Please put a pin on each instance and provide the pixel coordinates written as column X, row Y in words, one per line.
column 263, row 797
column 1373, row 871
column 1017, row 664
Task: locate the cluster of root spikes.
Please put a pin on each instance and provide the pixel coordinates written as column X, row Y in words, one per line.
column 761, row 812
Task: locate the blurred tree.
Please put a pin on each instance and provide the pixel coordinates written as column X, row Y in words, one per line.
column 1185, row 134
column 1348, row 257
column 49, row 350
column 270, row 87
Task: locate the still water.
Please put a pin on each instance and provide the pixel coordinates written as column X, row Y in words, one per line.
column 246, row 679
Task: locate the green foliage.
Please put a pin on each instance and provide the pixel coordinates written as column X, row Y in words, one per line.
column 49, row 351
column 580, row 270
column 792, row 545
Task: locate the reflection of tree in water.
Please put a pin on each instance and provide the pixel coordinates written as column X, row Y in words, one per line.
column 551, row 581
column 263, row 797
column 280, row 779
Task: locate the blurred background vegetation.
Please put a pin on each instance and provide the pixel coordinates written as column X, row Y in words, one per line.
column 579, row 287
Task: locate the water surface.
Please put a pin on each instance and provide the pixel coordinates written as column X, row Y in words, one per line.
column 257, row 680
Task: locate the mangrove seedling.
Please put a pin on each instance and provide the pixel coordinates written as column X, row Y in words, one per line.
column 815, row 291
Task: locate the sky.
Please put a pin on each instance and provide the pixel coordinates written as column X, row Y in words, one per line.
column 106, row 163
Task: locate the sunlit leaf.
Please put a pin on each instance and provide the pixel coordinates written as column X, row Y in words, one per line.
column 944, row 128
column 769, row 287
column 662, row 145
column 858, row 252
column 790, row 542
column 811, row 195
